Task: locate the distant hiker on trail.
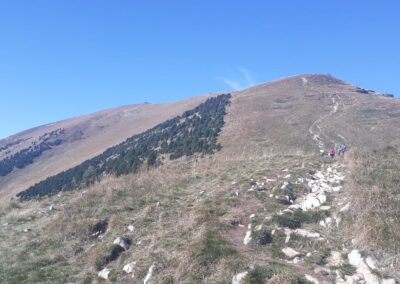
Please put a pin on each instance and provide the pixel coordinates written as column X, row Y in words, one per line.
column 342, row 149
column 331, row 152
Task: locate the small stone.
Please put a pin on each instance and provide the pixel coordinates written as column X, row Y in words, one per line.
column 149, row 274
column 355, row 258
column 296, row 260
column 104, row 273
column 129, row 267
column 335, row 259
column 238, row 278
column 346, row 207
column 290, row 253
column 131, row 228
column 305, row 233
column 325, row 208
column 311, row 279
column 122, row 242
column 371, row 262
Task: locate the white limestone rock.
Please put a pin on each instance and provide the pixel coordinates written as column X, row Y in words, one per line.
column 129, row 268
column 311, row 279
column 149, row 274
column 104, row 273
column 358, row 261
column 122, row 242
column 346, row 207
column 371, row 262
column 238, row 278
column 290, row 253
column 335, row 259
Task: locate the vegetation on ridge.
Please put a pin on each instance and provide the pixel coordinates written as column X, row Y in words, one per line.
column 26, row 156
column 196, row 131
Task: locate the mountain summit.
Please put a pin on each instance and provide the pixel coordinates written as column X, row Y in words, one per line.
column 240, row 187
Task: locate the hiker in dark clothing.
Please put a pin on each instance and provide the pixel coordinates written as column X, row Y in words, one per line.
column 331, row 152
column 342, row 149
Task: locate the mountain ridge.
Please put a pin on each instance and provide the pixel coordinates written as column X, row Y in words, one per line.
column 270, row 206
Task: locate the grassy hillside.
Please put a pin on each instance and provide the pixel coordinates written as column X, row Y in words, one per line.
column 82, row 137
column 196, row 131
column 266, row 208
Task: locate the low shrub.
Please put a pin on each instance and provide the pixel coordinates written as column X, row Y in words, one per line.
column 259, row 275
column 114, row 252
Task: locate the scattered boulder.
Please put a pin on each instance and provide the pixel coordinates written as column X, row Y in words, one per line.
column 104, row 273
column 123, row 242
column 238, row 278
column 131, row 228
column 371, row 262
column 129, row 268
column 355, row 258
column 149, row 274
column 358, row 261
column 335, row 259
column 346, row 207
column 247, row 237
column 311, row 279
column 310, row 202
column 283, row 200
column 307, row 234
column 290, row 253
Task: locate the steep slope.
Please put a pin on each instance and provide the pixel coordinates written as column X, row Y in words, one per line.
column 267, row 207
column 194, row 132
column 50, row 149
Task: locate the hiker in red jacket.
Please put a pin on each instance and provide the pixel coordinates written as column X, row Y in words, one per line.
column 331, row 152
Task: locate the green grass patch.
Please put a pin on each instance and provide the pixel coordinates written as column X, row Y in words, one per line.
column 259, row 275
column 214, row 248
column 295, row 219
column 347, row 269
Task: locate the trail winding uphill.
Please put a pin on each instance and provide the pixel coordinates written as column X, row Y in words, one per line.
column 338, row 262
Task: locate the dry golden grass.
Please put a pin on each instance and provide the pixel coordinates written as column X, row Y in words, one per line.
column 87, row 136
column 374, row 220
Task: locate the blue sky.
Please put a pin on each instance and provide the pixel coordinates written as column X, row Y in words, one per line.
column 59, row 59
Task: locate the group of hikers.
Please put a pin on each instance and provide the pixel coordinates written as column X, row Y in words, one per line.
column 338, row 151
